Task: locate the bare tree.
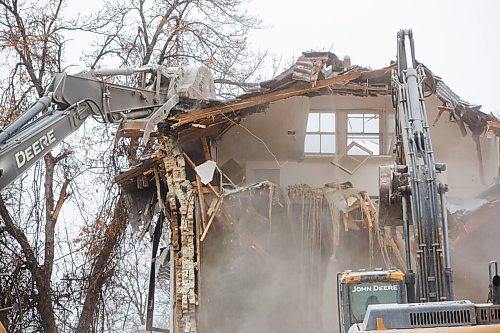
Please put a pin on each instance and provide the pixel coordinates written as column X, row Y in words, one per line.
column 176, row 32
column 33, row 34
column 69, row 292
column 32, row 41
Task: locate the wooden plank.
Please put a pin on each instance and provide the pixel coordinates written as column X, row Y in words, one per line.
column 264, row 98
column 192, row 165
column 136, row 170
column 189, row 160
column 226, row 129
column 214, row 191
column 212, row 217
column 201, row 197
column 191, row 134
column 213, row 204
column 206, row 148
column 200, row 191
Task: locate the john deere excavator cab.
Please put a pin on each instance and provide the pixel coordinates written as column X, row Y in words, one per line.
column 356, row 290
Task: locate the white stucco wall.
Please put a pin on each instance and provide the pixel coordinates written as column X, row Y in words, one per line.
column 271, row 138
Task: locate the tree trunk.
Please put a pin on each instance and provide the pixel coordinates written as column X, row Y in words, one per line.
column 42, row 283
column 101, row 271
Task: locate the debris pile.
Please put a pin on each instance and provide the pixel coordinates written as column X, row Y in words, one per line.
column 264, row 261
column 258, row 253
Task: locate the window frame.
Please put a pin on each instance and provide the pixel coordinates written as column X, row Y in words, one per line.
column 321, row 133
column 342, row 131
column 379, row 134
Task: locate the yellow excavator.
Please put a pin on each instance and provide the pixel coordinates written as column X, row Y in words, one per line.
column 420, row 300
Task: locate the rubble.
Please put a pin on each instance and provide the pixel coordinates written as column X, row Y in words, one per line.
column 268, row 252
column 180, row 198
column 324, row 74
column 263, row 220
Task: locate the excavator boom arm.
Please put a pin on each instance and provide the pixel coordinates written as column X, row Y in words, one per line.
column 424, row 191
column 73, row 98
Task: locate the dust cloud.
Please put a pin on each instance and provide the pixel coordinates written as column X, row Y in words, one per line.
column 267, row 263
column 470, row 256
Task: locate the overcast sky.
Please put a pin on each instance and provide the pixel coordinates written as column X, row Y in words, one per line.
column 457, row 40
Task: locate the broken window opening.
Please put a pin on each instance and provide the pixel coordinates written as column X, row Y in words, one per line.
column 363, row 129
column 320, row 133
column 352, row 162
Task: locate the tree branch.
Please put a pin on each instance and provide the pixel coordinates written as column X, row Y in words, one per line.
column 62, row 198
column 19, row 236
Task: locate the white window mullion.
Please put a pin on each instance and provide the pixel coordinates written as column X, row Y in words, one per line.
column 320, row 135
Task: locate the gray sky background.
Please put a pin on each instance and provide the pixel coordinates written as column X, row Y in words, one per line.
column 457, row 40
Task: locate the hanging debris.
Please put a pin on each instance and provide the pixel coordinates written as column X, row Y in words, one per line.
column 180, row 197
column 258, row 236
column 269, row 248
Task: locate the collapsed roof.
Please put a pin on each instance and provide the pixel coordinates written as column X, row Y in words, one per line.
column 314, row 74
column 165, row 181
column 322, row 73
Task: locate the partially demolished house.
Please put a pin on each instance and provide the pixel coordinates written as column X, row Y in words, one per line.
column 265, row 196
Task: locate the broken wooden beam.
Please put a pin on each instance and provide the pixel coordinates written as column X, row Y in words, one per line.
column 264, row 98
column 492, row 128
column 136, row 170
column 213, row 213
column 201, row 197
column 206, row 148
column 193, row 166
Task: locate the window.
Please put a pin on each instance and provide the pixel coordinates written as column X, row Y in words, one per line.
column 363, row 129
column 364, row 294
column 320, row 133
